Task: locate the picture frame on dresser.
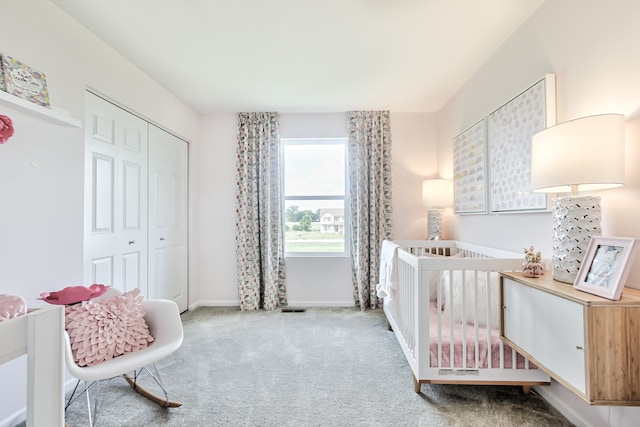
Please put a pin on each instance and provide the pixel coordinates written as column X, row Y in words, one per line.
column 605, row 267
column 470, row 170
column 509, row 132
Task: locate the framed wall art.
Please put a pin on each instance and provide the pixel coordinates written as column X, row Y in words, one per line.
column 510, row 129
column 606, row 266
column 470, row 170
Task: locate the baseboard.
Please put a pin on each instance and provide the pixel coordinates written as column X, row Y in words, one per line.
column 14, row 419
column 21, row 415
column 311, row 304
column 563, row 406
column 216, row 303
column 236, row 303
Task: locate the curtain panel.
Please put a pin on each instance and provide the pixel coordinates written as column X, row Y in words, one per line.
column 369, row 152
column 259, row 222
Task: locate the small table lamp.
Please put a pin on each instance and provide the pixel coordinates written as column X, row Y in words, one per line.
column 435, row 195
column 582, row 154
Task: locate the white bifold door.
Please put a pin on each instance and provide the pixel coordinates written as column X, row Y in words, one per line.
column 167, row 216
column 135, row 204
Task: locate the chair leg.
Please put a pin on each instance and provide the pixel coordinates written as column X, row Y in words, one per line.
column 164, row 402
column 92, row 414
column 86, row 392
column 97, row 402
column 73, row 396
column 158, row 380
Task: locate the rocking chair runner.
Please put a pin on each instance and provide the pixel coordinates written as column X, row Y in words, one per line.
column 163, row 319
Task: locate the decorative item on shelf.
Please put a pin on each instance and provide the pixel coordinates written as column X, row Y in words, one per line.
column 606, row 266
column 533, row 265
column 436, row 194
column 23, row 81
column 11, row 306
column 582, row 154
column 73, row 294
column 6, row 128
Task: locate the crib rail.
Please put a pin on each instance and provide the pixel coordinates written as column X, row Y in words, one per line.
column 462, row 297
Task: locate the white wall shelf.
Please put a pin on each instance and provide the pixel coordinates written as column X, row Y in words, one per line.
column 36, row 110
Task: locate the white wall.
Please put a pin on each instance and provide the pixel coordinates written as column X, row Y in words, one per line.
column 310, row 281
column 41, row 167
column 415, row 159
column 213, row 257
column 592, row 49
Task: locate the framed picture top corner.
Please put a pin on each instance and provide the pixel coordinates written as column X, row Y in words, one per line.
column 550, row 99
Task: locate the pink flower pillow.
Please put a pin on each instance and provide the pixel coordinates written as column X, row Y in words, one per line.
column 100, row 330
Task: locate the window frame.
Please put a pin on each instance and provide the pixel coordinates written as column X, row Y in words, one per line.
column 347, row 227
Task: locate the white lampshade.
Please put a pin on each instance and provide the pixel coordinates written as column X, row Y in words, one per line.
column 436, row 192
column 583, row 154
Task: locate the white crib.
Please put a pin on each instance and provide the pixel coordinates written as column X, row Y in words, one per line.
column 448, row 292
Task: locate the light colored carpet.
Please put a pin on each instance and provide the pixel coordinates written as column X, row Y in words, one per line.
column 323, row 367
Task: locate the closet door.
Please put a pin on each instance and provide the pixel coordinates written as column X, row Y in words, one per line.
column 115, row 237
column 168, row 217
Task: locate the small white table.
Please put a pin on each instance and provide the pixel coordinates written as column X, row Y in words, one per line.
column 38, row 334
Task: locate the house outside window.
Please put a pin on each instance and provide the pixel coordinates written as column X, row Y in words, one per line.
column 332, row 221
column 315, row 200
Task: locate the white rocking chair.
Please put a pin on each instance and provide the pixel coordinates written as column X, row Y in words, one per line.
column 163, row 319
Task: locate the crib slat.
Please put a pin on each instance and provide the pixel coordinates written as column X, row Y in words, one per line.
column 464, row 316
column 476, row 341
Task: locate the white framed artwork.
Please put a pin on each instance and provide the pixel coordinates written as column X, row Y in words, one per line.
column 470, row 170
column 510, row 129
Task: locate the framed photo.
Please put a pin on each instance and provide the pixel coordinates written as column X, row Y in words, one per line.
column 470, row 170
column 605, row 266
column 510, row 129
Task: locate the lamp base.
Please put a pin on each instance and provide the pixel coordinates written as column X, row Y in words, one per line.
column 434, row 224
column 575, row 220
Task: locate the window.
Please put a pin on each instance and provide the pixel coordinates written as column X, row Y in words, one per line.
column 315, row 201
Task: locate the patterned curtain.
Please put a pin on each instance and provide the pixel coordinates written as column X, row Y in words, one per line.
column 369, row 149
column 259, row 225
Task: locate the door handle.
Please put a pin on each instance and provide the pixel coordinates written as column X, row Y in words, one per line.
column 162, row 239
column 132, row 242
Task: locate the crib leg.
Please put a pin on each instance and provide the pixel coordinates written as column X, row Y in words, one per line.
column 389, row 328
column 416, row 385
column 526, row 389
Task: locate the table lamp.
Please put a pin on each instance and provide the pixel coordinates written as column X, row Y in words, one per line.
column 583, row 154
column 435, row 195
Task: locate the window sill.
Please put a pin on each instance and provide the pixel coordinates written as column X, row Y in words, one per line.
column 315, row 255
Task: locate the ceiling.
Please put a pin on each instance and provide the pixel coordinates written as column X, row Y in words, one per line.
column 224, row 56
